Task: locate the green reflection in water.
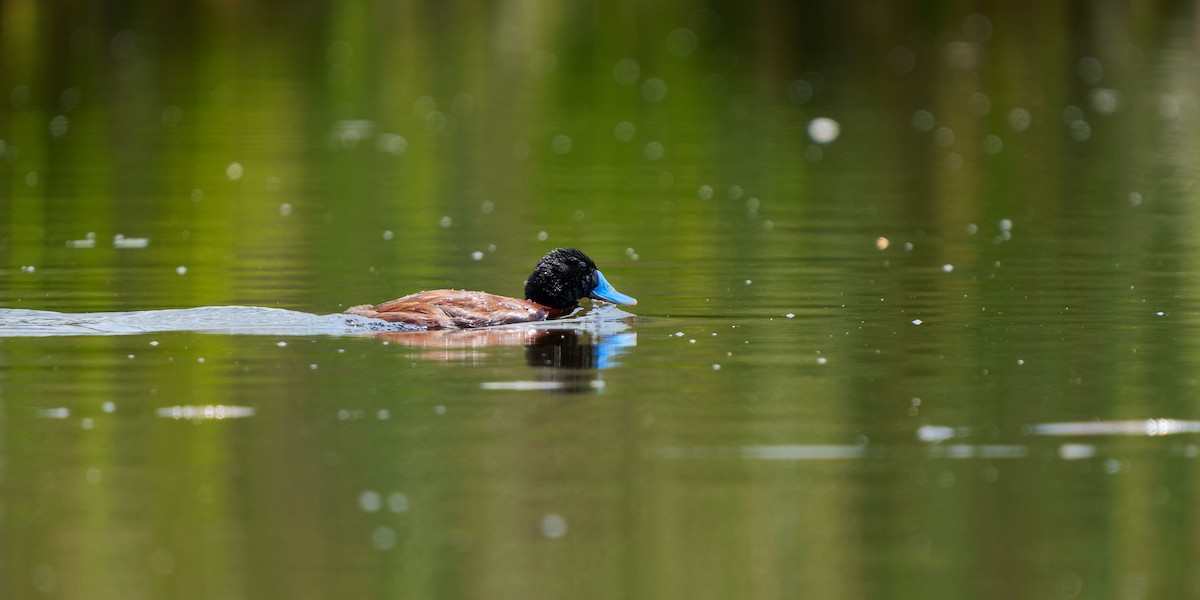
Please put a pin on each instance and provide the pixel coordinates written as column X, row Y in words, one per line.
column 1031, row 168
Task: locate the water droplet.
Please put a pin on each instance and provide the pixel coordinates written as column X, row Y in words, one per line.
column 977, row 28
column 682, row 42
column 369, row 501
column 1168, row 107
column 1091, row 71
column 59, row 126
column 397, row 502
column 944, row 137
column 1081, row 131
column 624, row 131
column 1019, row 119
column 383, row 538
column 653, row 151
column 979, row 104
column 463, row 104
column 69, row 99
column 799, row 91
column 626, row 71
column 654, row 90
column 554, row 526
column 424, row 106
column 992, row 144
column 1105, row 101
column 391, row 143
column 922, row 121
column 823, row 130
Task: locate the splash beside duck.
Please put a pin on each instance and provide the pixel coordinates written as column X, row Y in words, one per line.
column 558, row 282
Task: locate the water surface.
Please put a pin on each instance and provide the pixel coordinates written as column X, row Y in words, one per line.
column 916, row 302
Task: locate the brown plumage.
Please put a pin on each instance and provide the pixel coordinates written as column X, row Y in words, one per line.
column 457, row 309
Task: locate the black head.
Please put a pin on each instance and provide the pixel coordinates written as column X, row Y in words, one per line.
column 564, row 275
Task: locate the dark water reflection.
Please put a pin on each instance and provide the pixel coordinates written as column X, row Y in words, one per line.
column 917, row 306
column 565, row 359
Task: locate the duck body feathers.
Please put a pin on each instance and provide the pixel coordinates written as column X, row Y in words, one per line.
column 457, row 309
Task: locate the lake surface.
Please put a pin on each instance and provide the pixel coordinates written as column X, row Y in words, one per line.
column 918, row 303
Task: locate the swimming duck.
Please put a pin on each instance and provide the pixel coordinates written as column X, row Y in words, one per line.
column 560, row 279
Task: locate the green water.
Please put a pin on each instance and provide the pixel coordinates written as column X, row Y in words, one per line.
column 852, row 353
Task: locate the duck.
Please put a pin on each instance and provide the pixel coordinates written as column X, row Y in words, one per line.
column 561, row 278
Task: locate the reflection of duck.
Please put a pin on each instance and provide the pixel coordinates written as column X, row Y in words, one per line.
column 577, row 349
column 567, row 355
column 585, row 347
column 560, row 280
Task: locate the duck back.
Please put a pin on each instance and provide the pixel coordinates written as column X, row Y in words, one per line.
column 456, row 309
